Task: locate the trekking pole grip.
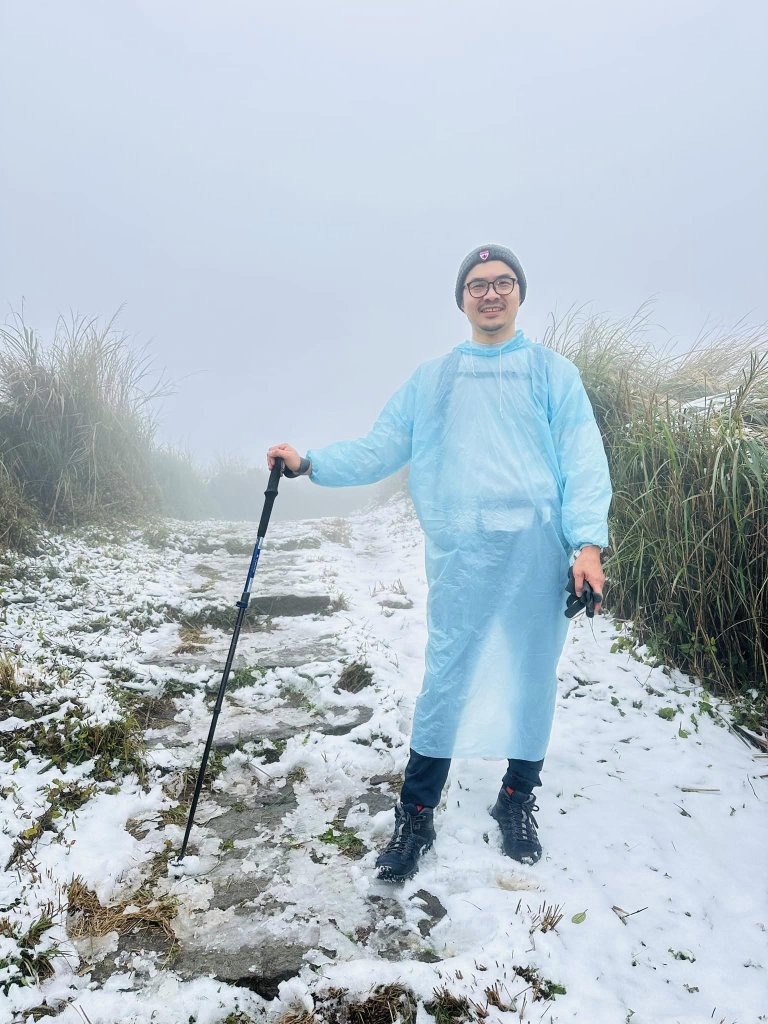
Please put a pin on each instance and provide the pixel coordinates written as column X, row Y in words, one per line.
column 269, row 497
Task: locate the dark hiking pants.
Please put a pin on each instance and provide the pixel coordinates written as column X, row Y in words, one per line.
column 426, row 776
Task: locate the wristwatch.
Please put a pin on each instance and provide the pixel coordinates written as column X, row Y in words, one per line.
column 577, row 551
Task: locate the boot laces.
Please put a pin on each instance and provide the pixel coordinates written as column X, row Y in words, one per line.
column 399, row 842
column 519, row 820
column 403, row 838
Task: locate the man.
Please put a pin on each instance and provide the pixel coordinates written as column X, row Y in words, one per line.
column 509, row 479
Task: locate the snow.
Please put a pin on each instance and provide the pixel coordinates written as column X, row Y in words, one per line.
column 653, row 826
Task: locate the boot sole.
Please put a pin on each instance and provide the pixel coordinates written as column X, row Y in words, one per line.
column 386, row 874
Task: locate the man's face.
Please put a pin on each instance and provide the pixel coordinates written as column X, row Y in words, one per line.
column 492, row 316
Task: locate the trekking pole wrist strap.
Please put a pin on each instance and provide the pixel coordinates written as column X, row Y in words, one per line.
column 304, row 467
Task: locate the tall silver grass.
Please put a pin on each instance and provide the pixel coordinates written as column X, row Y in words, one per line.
column 687, row 441
column 76, row 428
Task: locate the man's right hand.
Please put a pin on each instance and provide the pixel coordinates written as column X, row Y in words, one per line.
column 287, row 453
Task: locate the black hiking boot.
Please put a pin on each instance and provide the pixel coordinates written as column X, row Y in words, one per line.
column 514, row 813
column 414, row 834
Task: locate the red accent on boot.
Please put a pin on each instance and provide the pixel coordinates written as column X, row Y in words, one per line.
column 419, row 808
column 509, row 790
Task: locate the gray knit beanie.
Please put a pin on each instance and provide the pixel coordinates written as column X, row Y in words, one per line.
column 484, row 254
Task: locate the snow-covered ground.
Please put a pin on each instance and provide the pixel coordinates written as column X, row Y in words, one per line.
column 649, row 904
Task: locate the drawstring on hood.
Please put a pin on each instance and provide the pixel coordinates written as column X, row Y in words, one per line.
column 501, row 410
column 474, row 374
column 473, row 348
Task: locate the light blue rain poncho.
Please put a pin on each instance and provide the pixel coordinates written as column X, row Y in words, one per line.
column 508, row 474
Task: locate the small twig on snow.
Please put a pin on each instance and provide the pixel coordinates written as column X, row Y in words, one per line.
column 734, row 729
column 624, row 914
column 756, row 739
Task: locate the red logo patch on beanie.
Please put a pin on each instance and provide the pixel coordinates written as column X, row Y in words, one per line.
column 484, row 254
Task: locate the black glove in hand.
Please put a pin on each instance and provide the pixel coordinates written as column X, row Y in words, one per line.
column 589, row 598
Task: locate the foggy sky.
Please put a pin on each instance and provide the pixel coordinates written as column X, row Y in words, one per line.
column 279, row 195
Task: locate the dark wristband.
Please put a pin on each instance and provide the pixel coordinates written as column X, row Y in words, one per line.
column 303, row 468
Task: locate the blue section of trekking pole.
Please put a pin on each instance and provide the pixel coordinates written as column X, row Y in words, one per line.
column 269, row 499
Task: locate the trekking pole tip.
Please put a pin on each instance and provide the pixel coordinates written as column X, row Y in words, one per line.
column 186, row 866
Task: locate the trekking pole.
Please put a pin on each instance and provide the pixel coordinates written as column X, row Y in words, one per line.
column 269, row 499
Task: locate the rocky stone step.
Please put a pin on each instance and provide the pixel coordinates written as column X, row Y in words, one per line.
column 270, row 655
column 243, row 949
column 262, row 605
column 256, row 726
column 276, row 605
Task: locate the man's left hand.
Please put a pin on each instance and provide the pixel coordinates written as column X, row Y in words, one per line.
column 587, row 566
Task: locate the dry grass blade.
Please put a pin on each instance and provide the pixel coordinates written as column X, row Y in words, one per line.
column 547, row 918
column 298, row 1016
column 88, row 918
column 624, row 914
column 494, row 998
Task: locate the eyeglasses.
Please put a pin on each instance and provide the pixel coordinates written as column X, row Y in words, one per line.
column 502, row 286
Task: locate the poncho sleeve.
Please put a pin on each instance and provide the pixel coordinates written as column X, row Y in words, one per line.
column 584, row 472
column 382, row 451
